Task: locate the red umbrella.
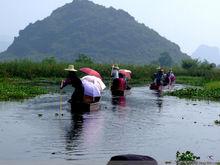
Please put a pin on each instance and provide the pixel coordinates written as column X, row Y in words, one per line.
column 90, row 71
column 126, row 73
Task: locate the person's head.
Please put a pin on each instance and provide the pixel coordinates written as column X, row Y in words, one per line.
column 116, row 66
column 71, row 70
column 158, row 68
column 121, row 75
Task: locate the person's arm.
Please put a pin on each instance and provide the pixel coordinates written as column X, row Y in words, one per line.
column 65, row 83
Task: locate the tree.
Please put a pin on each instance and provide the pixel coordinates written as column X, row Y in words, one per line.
column 190, row 63
column 165, row 59
column 84, row 59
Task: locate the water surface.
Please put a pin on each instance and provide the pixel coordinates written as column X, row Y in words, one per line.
column 141, row 123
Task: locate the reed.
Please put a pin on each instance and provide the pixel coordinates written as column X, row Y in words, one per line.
column 49, row 73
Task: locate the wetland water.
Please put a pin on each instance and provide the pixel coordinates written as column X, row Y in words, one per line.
column 141, row 123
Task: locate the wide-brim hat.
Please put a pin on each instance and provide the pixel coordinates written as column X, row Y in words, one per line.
column 71, row 68
column 158, row 68
column 115, row 66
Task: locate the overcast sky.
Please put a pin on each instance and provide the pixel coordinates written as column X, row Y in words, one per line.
column 189, row 23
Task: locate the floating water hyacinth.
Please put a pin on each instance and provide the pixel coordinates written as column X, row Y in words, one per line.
column 197, row 93
column 186, row 156
column 217, row 122
column 18, row 89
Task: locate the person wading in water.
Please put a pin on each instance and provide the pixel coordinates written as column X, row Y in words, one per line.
column 72, row 79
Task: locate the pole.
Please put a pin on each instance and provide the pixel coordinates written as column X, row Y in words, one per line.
column 61, row 100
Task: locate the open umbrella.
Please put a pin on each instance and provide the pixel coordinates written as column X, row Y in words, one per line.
column 90, row 89
column 95, row 80
column 126, row 73
column 90, row 71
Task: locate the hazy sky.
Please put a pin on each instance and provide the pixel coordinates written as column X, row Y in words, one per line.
column 189, row 23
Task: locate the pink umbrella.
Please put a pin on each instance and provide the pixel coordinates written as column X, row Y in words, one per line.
column 90, row 71
column 126, row 73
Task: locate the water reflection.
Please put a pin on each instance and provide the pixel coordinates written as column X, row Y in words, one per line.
column 119, row 100
column 74, row 131
column 159, row 100
column 85, row 131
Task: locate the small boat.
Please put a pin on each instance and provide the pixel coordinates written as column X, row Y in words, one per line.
column 84, row 107
column 154, row 86
column 87, row 105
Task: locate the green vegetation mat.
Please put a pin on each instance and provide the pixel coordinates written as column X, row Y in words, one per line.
column 21, row 79
column 18, row 89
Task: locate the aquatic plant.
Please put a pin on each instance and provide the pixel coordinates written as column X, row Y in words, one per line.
column 196, row 93
column 185, row 157
column 15, row 91
column 212, row 85
column 217, row 122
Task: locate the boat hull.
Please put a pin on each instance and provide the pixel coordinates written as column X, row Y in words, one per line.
column 154, row 86
column 84, row 107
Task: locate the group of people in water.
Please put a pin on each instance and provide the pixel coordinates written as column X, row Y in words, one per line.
column 88, row 89
column 161, row 79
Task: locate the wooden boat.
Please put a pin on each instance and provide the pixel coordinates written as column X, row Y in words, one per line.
column 84, row 107
column 154, row 86
column 89, row 104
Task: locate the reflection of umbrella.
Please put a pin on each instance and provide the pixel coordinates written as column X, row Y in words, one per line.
column 126, row 73
column 95, row 80
column 90, row 89
column 90, row 71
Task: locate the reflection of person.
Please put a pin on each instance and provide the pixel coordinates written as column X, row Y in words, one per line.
column 159, row 100
column 119, row 100
column 72, row 79
column 74, row 132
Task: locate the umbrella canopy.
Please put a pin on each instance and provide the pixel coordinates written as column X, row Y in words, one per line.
column 126, row 73
column 90, row 89
column 95, row 80
column 126, row 70
column 90, row 71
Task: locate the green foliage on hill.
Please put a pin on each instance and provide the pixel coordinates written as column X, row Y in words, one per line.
column 107, row 35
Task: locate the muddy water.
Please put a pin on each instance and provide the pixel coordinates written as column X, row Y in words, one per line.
column 141, row 123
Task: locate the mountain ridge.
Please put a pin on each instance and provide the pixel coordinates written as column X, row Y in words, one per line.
column 209, row 53
column 104, row 34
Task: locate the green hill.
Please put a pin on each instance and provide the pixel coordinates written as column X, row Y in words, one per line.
column 104, row 34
